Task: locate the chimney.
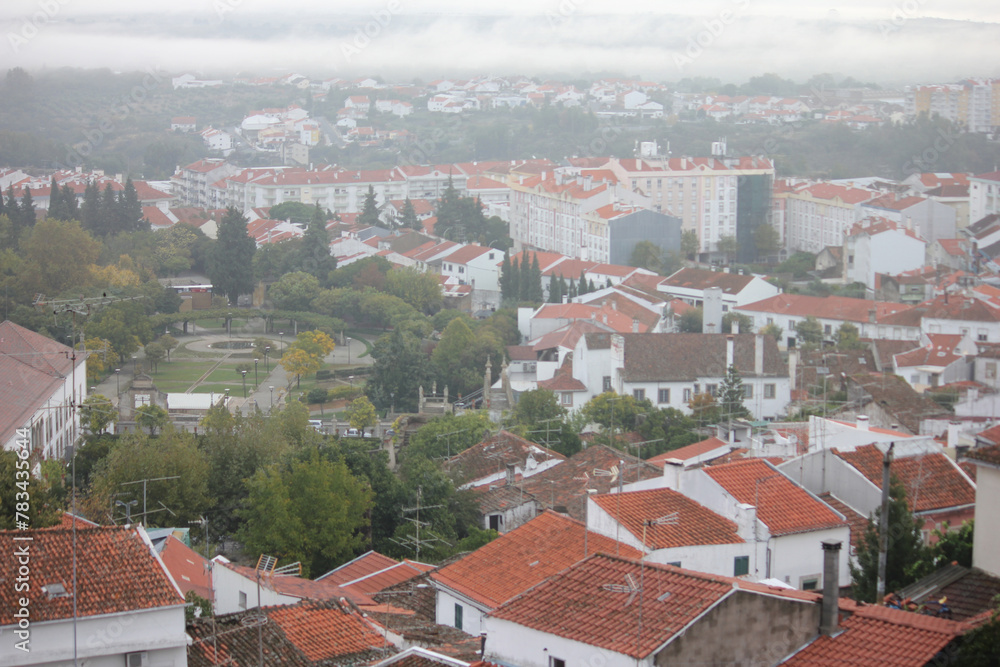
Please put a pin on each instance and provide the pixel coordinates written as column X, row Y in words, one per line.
column 953, row 434
column 831, row 587
column 730, row 342
column 862, row 422
column 734, row 326
column 510, row 474
column 758, row 355
column 635, row 325
column 872, row 315
column 672, row 470
column 793, row 365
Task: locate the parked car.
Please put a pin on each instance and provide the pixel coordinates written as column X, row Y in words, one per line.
column 352, row 433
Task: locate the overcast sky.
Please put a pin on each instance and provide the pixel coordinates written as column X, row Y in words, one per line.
column 890, row 42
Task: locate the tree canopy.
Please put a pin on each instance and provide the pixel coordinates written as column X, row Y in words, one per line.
column 230, row 264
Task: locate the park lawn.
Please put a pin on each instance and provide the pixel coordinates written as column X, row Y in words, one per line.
column 173, row 387
column 234, row 390
column 226, row 373
column 178, row 371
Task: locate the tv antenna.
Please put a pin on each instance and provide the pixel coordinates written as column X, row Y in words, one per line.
column 414, row 542
column 631, row 588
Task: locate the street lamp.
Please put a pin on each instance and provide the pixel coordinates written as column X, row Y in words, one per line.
column 281, row 342
column 118, row 382
column 267, row 363
column 244, row 374
column 351, row 378
column 271, row 388
column 229, row 324
column 134, row 362
column 255, row 382
column 347, row 340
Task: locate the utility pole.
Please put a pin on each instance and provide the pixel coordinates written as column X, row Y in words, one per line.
column 883, row 527
column 143, row 482
column 415, row 542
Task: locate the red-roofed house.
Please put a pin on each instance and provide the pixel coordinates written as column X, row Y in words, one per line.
column 39, row 384
column 940, row 359
column 479, row 267
column 689, row 284
column 693, row 455
column 931, row 219
column 473, row 586
column 819, row 214
column 591, row 611
column 781, row 521
column 880, row 245
column 986, row 542
column 125, row 605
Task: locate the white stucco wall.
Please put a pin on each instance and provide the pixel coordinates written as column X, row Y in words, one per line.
column 512, row 644
column 103, row 641
column 229, row 584
column 823, row 471
column 799, row 556
column 472, row 615
column 986, row 546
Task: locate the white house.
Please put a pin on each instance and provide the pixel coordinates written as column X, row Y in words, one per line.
column 962, row 315
column 39, row 385
column 986, row 545
column 781, row 520
column 128, row 609
column 984, row 195
column 479, row 267
column 940, row 359
column 689, row 285
column 670, row 369
column 217, row 140
column 876, row 246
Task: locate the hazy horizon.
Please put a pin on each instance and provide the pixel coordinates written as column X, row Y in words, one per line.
column 902, row 42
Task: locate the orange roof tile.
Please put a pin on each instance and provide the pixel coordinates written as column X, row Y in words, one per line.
column 365, row 564
column 522, row 558
column 932, row 481
column 187, row 567
column 781, row 504
column 693, row 523
column 490, row 457
column 116, row 572
column 688, row 452
column 324, row 631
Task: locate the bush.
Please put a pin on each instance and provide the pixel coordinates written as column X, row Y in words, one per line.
column 316, row 395
column 348, row 393
column 323, row 374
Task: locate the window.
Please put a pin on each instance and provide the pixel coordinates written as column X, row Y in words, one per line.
column 566, row 398
column 769, row 391
column 810, row 583
column 606, row 383
column 741, row 566
column 991, row 370
column 458, row 616
column 748, row 391
column 712, row 389
column 663, row 396
column 556, row 662
column 639, row 394
column 827, row 329
column 982, row 338
column 496, row 520
column 687, row 395
column 243, row 600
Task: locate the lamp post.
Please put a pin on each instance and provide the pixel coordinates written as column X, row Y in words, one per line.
column 255, row 382
column 271, row 389
column 118, row 382
column 267, row 363
column 347, row 340
column 392, row 402
column 229, row 325
column 244, row 374
column 351, row 378
column 281, row 342
column 134, row 362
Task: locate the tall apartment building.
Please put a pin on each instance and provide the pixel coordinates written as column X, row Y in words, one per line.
column 984, row 196
column 714, row 196
column 974, row 103
column 817, row 215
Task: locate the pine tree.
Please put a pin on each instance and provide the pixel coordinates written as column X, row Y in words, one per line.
column 231, row 257
column 408, row 216
column 505, row 270
column 316, row 257
column 515, row 279
column 108, row 212
column 449, row 214
column 129, row 210
column 55, row 201
column 3, row 206
column 90, row 212
column 68, row 201
column 369, row 210
column 731, row 394
column 27, row 212
column 536, row 294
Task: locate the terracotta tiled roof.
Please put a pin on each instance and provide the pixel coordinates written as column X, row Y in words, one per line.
column 880, row 636
column 897, row 398
column 691, row 278
column 415, row 656
column 958, row 307
column 939, row 352
column 781, row 504
column 829, row 307
column 522, row 558
column 932, row 481
column 664, row 357
column 501, row 498
column 693, row 523
column 367, row 563
column 383, row 579
column 989, row 455
column 189, row 570
column 858, row 522
column 672, row 598
column 302, row 588
column 688, row 452
column 117, row 572
column 301, row 635
column 491, row 456
column 563, row 379
column 566, row 336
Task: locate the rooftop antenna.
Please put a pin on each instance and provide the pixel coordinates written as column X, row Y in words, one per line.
column 666, row 520
column 631, row 588
column 415, row 542
column 614, row 474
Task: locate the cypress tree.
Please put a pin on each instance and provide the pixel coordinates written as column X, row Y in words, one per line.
column 129, row 210
column 515, row 279
column 524, row 278
column 369, row 210
column 316, row 257
column 3, row 207
column 504, row 276
column 55, row 201
column 583, row 283
column 231, row 257
column 107, row 216
column 408, row 216
column 536, row 294
column 27, row 215
column 572, row 289
column 90, row 212
column 68, row 201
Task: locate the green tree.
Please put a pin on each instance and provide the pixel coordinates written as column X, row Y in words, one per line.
column 369, row 209
column 197, row 607
column 294, row 291
column 848, row 337
column 906, row 549
column 315, row 247
column 690, row 321
column 981, row 647
column 646, row 255
column 90, row 211
column 615, row 412
column 152, row 417
column 16, row 484
column 26, row 212
column 668, row 429
column 809, row 333
column 58, row 255
column 731, row 394
column 310, row 510
column 537, row 406
column 772, row 330
column 704, row 409
column 767, row 241
column 231, row 258
column 155, row 352
column 745, row 322
column 128, row 211
column 401, row 367
column 408, row 216
column 448, row 435
column 361, row 414
column 292, row 211
column 97, row 412
column 728, row 246
column 124, row 325
column 689, row 243
column 417, row 288
column 298, row 362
